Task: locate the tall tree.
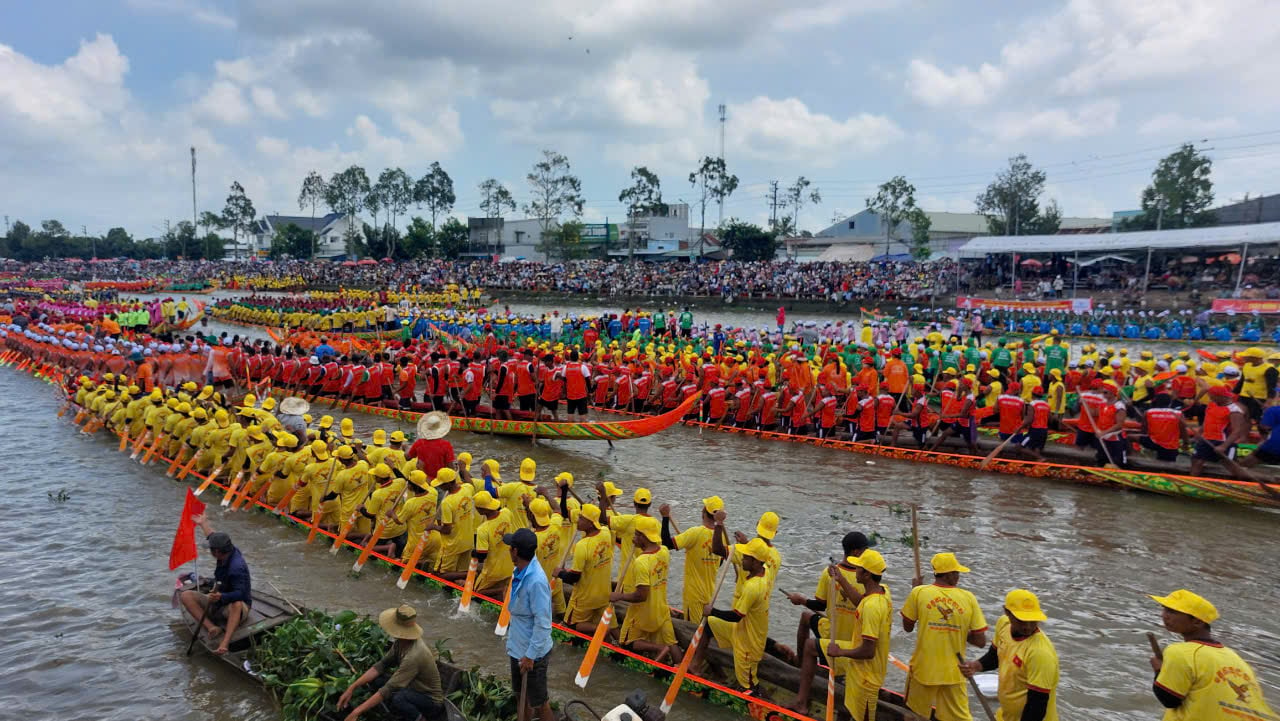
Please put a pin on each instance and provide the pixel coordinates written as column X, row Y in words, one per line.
column 312, row 194
column 798, row 194
column 395, row 191
column 894, row 202
column 345, row 193
column 748, row 241
column 555, row 191
column 451, row 238
column 292, row 241
column 494, row 198
column 419, row 239
column 238, row 214
column 714, row 184
column 435, row 190
column 1012, row 201
column 642, row 197
column 1180, row 193
column 920, row 226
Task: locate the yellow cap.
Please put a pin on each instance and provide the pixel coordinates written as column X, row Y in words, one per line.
column 541, row 511
column 464, row 459
column 344, row 452
column 490, row 466
column 284, row 440
column 347, row 427
column 650, row 528
column 1253, row 352
column 397, row 437
column 379, row 437
column 870, row 560
column 444, row 477
column 528, row 470
column 326, row 421
column 768, row 525
column 1024, row 605
column 565, row 478
column 713, row 504
column 1184, row 601
column 756, row 548
column 591, row 512
column 199, row 414
column 946, row 563
column 381, row 470
column 484, row 500
column 611, row 490
column 418, row 478
column 268, row 404
column 642, row 496
column 319, row 450
column 255, row 432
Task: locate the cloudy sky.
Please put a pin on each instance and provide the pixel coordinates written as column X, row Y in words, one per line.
column 101, row 99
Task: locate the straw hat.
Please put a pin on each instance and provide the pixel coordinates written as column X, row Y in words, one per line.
column 435, row 424
column 401, row 622
column 293, row 406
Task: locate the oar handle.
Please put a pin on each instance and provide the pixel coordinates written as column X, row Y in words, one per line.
column 1155, row 645
column 986, row 705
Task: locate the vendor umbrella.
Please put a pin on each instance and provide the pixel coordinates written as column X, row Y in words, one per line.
column 367, row 261
column 1032, row 262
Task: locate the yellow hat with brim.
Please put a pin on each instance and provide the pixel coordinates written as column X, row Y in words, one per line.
column 947, row 563
column 768, row 525
column 381, row 470
column 464, row 459
column 1253, row 352
column 1024, row 605
column 490, row 466
column 872, row 561
column 611, row 490
column 1184, row 601
column 398, row 437
column 344, row 452
column 564, row 479
column 528, row 470
column 713, row 504
column 541, row 511
column 401, row 622
column 419, row 479
column 486, row 501
column 591, row 512
column 756, row 548
column 642, row 496
column 444, row 477
column 650, row 528
column 379, row 437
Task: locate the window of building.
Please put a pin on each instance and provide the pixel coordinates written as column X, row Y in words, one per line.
column 851, row 225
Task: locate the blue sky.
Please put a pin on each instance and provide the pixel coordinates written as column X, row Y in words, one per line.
column 100, row 101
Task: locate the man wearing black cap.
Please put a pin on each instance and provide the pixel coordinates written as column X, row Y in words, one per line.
column 529, row 633
column 232, row 595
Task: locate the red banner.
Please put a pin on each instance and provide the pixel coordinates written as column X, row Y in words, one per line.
column 1077, row 305
column 1240, row 305
column 184, row 541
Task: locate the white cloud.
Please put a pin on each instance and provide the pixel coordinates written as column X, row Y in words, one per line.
column 264, row 99
column 205, row 14
column 86, row 89
column 225, row 103
column 1054, row 124
column 786, row 131
column 1166, row 124
column 938, row 88
column 273, row 147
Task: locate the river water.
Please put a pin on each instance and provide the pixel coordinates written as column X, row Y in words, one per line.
column 88, row 628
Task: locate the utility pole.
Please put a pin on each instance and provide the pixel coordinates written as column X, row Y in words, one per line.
column 773, row 204
column 720, row 199
column 193, row 203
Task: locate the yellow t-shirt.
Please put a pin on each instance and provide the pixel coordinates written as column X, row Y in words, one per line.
column 417, row 512
column 457, row 510
column 770, row 571
column 353, row 486
column 652, row 570
column 945, row 615
column 1029, row 383
column 497, row 563
column 623, row 526
column 380, row 505
column 700, row 566
column 552, row 541
column 842, row 621
column 874, row 621
column 1029, row 663
column 1214, row 682
column 593, row 558
column 751, row 632
column 512, row 496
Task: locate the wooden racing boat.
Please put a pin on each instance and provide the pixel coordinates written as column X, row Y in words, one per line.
column 266, row 615
column 547, row 430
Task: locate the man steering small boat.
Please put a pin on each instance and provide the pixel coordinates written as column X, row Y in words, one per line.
column 232, row 593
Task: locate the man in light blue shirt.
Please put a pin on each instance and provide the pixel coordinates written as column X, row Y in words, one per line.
column 529, row 632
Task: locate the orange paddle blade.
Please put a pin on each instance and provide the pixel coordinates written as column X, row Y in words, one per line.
column 597, row 640
column 368, row 549
column 469, row 587
column 504, row 618
column 412, row 563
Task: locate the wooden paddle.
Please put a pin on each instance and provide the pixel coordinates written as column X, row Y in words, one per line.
column 521, row 713
column 378, row 528
column 831, row 667
column 915, row 540
column 412, row 563
column 200, row 624
column 504, row 617
column 1089, row 414
column 991, row 456
column 683, row 669
column 318, row 511
column 602, row 628
column 986, row 705
column 232, row 487
column 469, row 587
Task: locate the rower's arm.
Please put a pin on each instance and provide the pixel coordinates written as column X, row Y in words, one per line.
column 978, row 638
column 847, row 589
column 667, row 539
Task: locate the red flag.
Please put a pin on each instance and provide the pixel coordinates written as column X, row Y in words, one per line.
column 184, row 541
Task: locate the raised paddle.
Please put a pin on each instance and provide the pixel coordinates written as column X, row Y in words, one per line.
column 200, row 624
column 682, row 670
column 1089, row 414
column 602, row 628
column 915, row 540
column 986, row 705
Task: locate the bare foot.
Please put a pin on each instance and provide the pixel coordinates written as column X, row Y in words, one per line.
column 213, row 634
column 220, row 651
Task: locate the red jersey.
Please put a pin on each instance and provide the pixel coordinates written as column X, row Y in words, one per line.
column 1164, row 427
column 768, row 408
column 1011, row 409
column 884, row 410
column 1217, row 421
column 1040, row 414
column 552, row 383
column 743, row 411
column 717, row 407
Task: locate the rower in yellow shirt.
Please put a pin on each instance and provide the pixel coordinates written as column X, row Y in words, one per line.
column 647, row 629
column 745, row 628
column 623, row 526
column 456, row 515
column 590, row 572
column 944, row 618
column 491, row 550
column 1200, row 679
column 1026, row 659
column 554, row 532
column 353, row 483
column 864, row 656
column 1030, row 380
column 766, row 529
column 418, row 513
column 513, row 495
column 701, row 563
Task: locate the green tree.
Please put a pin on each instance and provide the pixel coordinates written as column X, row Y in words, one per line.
column 452, row 239
column 1011, row 202
column 494, row 198
column 798, row 194
column 565, row 241
column 1180, row 193
column 893, row 203
column 713, row 183
column 292, row 241
column 345, row 193
column 116, row 243
column 556, row 191
column 215, row 248
column 920, row 226
column 238, row 214
column 19, row 241
column 435, row 190
column 312, row 195
column 395, row 192
column 642, row 197
column 420, row 239
column 748, row 241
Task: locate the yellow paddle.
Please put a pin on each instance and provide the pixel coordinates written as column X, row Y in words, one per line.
column 414, row 557
column 232, row 487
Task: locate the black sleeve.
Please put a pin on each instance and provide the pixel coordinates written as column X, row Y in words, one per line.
column 564, row 502
column 667, row 540
column 1166, row 698
column 990, row 660
column 730, row 616
column 1271, row 375
column 1036, row 707
column 814, row 604
column 570, row 576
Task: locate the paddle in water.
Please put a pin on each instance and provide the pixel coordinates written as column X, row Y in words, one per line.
column 683, row 670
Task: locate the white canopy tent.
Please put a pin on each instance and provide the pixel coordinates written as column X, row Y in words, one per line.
column 1189, row 239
